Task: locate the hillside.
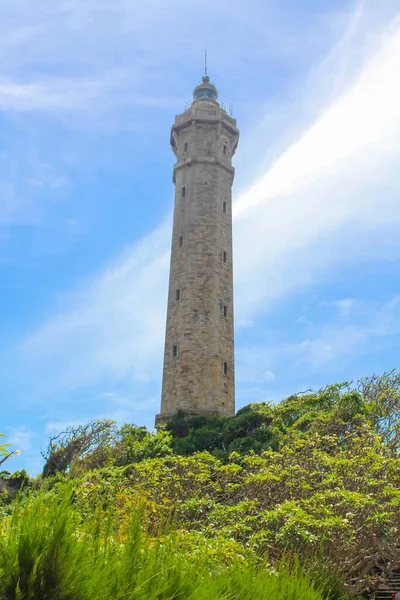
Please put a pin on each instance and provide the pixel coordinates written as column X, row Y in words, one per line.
column 317, row 476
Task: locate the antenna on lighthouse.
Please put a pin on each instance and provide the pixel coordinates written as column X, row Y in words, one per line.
column 205, row 63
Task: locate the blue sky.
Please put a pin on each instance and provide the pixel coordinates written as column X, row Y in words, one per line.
column 88, row 93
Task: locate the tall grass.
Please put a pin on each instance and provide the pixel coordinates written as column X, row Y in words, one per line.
column 48, row 552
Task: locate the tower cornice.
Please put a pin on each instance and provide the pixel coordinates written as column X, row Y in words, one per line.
column 205, row 110
column 205, row 161
column 229, row 126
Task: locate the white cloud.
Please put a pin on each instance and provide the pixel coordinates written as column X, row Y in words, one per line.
column 115, row 326
column 367, row 115
column 333, row 191
column 333, row 342
column 251, row 365
column 109, row 55
column 339, row 340
column 45, row 95
column 85, row 57
column 20, row 438
column 345, row 306
column 110, row 93
column 24, row 199
column 55, row 427
column 244, row 323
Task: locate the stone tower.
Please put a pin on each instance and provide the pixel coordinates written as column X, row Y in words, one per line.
column 199, row 375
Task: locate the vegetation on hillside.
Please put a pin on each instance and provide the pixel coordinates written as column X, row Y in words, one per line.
column 317, row 476
column 50, row 550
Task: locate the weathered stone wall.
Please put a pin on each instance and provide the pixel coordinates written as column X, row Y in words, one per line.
column 198, row 372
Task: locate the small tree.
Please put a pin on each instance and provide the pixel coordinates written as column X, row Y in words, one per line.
column 77, row 443
column 382, row 398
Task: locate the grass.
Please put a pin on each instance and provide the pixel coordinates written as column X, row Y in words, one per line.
column 49, row 552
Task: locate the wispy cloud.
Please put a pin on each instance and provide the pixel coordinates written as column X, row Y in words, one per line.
column 28, row 186
column 51, row 94
column 74, row 57
column 339, row 340
column 252, row 365
column 56, row 427
column 106, row 55
column 89, row 97
column 322, row 345
column 114, row 327
column 20, row 438
column 345, row 306
column 319, row 205
column 367, row 115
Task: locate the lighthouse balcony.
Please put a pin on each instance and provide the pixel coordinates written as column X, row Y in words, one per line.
column 196, row 112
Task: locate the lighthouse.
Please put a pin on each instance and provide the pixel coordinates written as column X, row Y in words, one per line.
column 199, row 370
